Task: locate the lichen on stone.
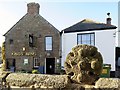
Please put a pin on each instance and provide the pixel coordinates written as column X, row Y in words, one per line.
column 84, row 64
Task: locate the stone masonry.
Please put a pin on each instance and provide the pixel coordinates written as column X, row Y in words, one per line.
column 17, row 41
column 23, row 81
column 84, row 64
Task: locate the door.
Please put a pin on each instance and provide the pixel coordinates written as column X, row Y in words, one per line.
column 11, row 64
column 50, row 65
column 117, row 58
column 117, row 62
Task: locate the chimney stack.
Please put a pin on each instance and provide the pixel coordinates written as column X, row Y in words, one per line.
column 108, row 20
column 33, row 8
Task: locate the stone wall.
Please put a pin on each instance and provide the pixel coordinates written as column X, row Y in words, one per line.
column 18, row 38
column 55, row 82
column 37, row 80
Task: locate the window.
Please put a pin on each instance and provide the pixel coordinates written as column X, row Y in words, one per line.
column 11, row 41
column 31, row 40
column 118, row 63
column 36, row 62
column 87, row 38
column 25, row 61
column 48, row 43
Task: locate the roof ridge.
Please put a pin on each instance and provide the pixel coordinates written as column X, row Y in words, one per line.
column 87, row 20
column 88, row 25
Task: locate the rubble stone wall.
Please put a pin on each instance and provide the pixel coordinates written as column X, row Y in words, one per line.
column 55, row 82
column 37, row 80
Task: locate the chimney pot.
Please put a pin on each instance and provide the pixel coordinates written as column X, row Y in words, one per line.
column 33, row 8
column 108, row 20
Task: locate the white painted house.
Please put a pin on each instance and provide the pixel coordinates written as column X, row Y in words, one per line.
column 90, row 32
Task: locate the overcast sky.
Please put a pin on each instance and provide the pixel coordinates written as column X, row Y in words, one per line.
column 60, row 13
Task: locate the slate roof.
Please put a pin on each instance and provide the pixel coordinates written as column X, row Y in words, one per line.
column 88, row 25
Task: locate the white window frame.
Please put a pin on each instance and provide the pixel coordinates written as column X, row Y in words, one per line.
column 36, row 60
column 25, row 61
column 90, row 40
column 48, row 45
column 31, row 40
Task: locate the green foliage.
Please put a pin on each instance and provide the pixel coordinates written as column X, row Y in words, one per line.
column 62, row 71
column 35, row 71
column 24, row 71
column 21, row 71
column 3, row 57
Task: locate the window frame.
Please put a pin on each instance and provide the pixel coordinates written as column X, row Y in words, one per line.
column 26, row 61
column 90, row 38
column 31, row 44
column 35, row 63
column 11, row 41
column 51, row 44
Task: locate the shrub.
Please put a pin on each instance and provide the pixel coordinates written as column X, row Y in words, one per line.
column 35, row 71
column 23, row 71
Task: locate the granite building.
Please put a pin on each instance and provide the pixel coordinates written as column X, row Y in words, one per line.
column 33, row 43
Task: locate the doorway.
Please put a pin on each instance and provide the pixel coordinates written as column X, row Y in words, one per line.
column 11, row 64
column 50, row 65
column 117, row 62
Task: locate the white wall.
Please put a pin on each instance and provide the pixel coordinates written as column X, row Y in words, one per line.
column 118, row 38
column 104, row 41
column 69, row 40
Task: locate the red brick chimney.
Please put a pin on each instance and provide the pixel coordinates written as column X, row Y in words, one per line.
column 33, row 8
column 108, row 20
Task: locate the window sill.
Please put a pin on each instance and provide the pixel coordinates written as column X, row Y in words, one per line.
column 36, row 66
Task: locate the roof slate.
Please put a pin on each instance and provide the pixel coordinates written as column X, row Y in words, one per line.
column 88, row 25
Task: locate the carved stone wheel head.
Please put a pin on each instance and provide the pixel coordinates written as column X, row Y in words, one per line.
column 84, row 64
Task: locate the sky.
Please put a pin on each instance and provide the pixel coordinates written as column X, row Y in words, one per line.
column 60, row 13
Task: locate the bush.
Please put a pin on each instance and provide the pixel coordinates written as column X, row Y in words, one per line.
column 62, row 70
column 35, row 71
